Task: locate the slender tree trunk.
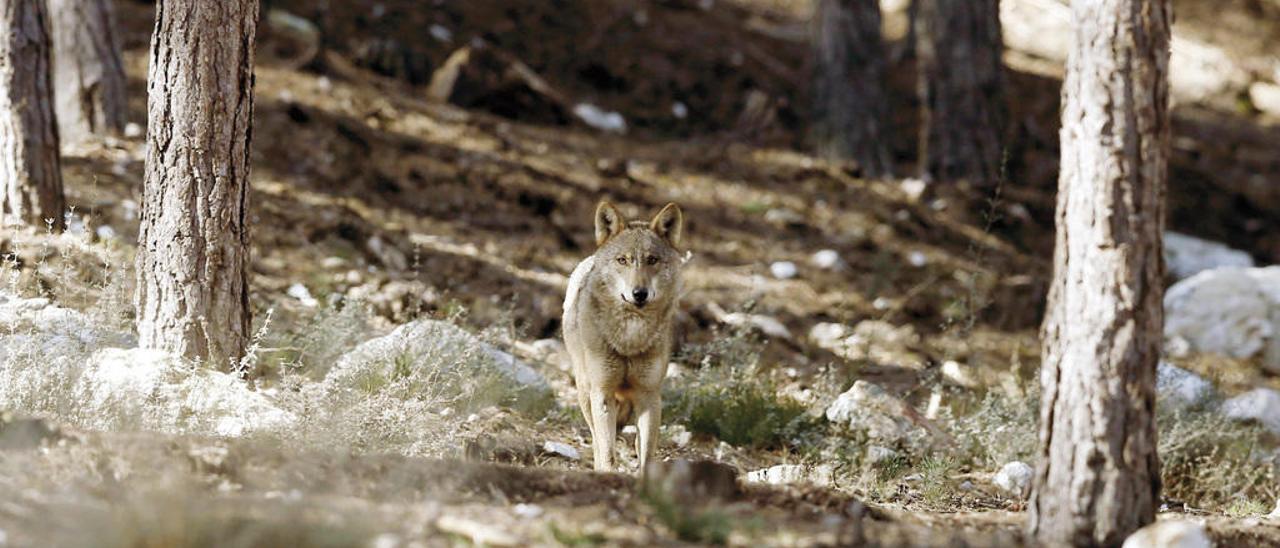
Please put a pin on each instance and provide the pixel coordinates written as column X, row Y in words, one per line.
column 958, row 47
column 849, row 102
column 30, row 171
column 87, row 69
column 1097, row 478
column 193, row 245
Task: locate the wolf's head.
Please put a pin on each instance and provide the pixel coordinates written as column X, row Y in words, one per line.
column 637, row 261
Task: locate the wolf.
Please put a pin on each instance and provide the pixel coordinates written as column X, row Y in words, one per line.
column 618, row 316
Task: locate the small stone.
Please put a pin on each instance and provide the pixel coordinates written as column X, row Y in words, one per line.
column 527, row 511
column 300, row 292
column 826, row 259
column 562, row 449
column 783, row 270
column 385, row 540
column 1260, row 404
column 630, row 430
column 1180, row 387
column 441, row 33
column 679, row 435
column 333, row 263
column 679, row 110
column 105, row 232
column 966, row 485
column 917, row 259
column 914, row 188
column 877, row 454
column 132, row 130
column 1014, row 478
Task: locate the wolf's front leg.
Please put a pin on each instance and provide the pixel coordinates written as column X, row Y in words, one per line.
column 604, row 415
column 649, row 409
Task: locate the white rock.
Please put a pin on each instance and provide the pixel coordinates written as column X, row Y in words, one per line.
column 679, row 110
column 630, row 430
column 1260, row 404
column 869, row 408
column 441, row 33
column 1266, row 97
column 385, row 540
column 765, row 324
column 563, row 449
column 155, row 390
column 826, row 333
column 600, row 119
column 1275, row 514
column 1228, row 311
column 300, row 292
column 917, row 259
column 1014, row 477
column 1170, row 534
column 678, row 435
column 783, row 270
column 959, row 375
column 877, row 454
column 826, row 259
column 527, row 511
column 914, row 188
column 783, row 474
column 105, row 232
column 389, row 255
column 428, row 347
column 1180, row 387
column 132, row 130
column 1187, row 256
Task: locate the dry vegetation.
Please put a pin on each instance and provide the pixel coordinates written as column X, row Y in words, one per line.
column 389, row 209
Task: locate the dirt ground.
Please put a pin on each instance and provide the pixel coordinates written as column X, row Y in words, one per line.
column 362, row 184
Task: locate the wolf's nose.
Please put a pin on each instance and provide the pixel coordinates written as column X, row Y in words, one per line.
column 640, row 295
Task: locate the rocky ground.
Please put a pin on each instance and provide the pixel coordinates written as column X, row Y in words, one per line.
column 861, row 353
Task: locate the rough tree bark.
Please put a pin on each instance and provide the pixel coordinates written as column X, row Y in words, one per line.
column 1098, row 478
column 30, row 170
column 958, row 47
column 193, row 245
column 849, row 102
column 87, row 69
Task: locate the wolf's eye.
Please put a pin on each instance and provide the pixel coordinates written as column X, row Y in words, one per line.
column 622, row 260
column 651, row 260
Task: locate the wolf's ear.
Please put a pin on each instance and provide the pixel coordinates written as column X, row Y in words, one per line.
column 609, row 221
column 669, row 224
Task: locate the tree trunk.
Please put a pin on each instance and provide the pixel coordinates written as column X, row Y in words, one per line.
column 193, row 245
column 30, row 170
column 849, row 103
column 87, row 69
column 958, row 46
column 1097, row 478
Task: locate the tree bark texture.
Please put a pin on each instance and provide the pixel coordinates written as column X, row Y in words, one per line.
column 87, row 69
column 193, row 245
column 1097, row 478
column 849, row 104
column 30, row 169
column 958, row 48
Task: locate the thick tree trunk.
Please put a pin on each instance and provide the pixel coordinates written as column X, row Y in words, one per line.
column 193, row 246
column 1097, row 478
column 958, row 47
column 30, row 171
column 87, row 69
column 849, row 103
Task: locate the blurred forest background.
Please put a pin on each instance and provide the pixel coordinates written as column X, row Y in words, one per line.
column 858, row 341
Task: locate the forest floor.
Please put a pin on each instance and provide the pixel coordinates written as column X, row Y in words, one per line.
column 475, row 210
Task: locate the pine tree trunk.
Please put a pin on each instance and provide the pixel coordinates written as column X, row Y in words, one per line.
column 30, row 170
column 1097, row 478
column 958, row 47
column 849, row 102
column 192, row 295
column 88, row 71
